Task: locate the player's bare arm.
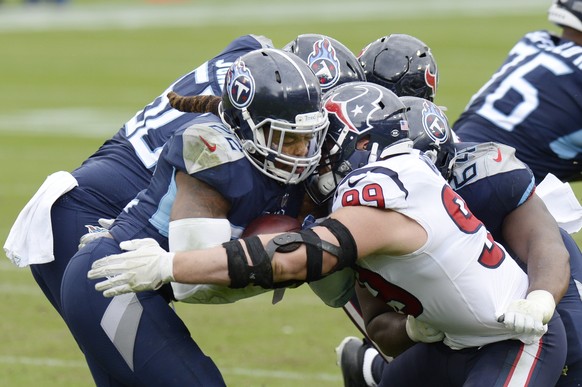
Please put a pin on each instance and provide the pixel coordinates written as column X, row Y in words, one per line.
column 265, row 260
column 385, row 326
column 539, row 245
column 196, row 199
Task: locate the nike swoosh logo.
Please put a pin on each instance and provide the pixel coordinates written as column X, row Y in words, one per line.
column 499, row 157
column 211, row 147
column 352, row 182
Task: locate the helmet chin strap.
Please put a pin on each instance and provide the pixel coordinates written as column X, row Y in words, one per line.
column 373, row 153
column 400, row 146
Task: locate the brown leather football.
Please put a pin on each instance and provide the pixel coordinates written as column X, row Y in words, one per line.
column 271, row 223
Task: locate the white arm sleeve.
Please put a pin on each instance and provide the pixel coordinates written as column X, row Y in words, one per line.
column 336, row 289
column 200, row 233
column 193, row 234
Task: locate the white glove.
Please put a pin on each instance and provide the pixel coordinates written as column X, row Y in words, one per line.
column 146, row 266
column 419, row 331
column 95, row 232
column 106, row 223
column 531, row 315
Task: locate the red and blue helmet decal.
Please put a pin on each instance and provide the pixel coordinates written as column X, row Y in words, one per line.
column 431, row 79
column 324, row 63
column 434, row 123
column 240, row 85
column 351, row 111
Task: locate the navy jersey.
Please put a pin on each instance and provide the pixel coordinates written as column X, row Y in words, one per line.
column 207, row 150
column 124, row 164
column 534, row 104
column 494, row 182
column 152, row 333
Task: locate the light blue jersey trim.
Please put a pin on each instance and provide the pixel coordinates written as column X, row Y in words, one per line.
column 527, row 192
column 161, row 218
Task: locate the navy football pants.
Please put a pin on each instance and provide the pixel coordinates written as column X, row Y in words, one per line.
column 132, row 339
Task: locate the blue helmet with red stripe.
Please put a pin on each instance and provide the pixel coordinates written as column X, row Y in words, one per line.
column 364, row 119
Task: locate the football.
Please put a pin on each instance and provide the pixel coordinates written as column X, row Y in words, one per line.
column 271, row 223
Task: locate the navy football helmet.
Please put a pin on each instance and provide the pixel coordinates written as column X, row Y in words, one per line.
column 566, row 13
column 403, row 64
column 270, row 94
column 430, row 132
column 364, row 119
column 331, row 61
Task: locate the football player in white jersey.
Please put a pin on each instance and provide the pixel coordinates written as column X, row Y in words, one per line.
column 415, row 248
column 500, row 191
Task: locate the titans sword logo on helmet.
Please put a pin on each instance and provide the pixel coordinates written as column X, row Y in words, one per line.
column 434, row 123
column 324, row 63
column 240, row 85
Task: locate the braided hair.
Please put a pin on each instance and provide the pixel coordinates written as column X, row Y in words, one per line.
column 195, row 103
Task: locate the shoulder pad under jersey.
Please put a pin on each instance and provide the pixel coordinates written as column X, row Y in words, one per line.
column 480, row 161
column 208, row 145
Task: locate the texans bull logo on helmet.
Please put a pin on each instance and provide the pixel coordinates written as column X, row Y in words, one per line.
column 324, row 63
column 240, row 85
column 434, row 123
column 356, row 106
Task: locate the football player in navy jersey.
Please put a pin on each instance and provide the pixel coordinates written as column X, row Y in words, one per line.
column 532, row 102
column 499, row 189
column 425, row 254
column 213, row 177
column 113, row 175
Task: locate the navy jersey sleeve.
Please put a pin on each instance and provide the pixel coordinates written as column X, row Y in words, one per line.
column 492, row 181
column 206, row 150
column 533, row 104
column 130, row 157
column 150, row 128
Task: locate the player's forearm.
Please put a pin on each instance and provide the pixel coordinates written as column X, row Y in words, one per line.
column 548, row 269
column 388, row 331
column 532, row 233
column 208, row 266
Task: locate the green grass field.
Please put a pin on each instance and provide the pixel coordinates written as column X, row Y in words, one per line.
column 64, row 91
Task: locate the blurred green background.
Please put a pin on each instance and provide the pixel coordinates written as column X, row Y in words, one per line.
column 71, row 75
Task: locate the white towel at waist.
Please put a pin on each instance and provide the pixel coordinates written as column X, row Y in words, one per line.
column 30, row 240
column 561, row 202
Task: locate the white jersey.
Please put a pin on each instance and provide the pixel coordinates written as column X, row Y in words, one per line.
column 460, row 281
